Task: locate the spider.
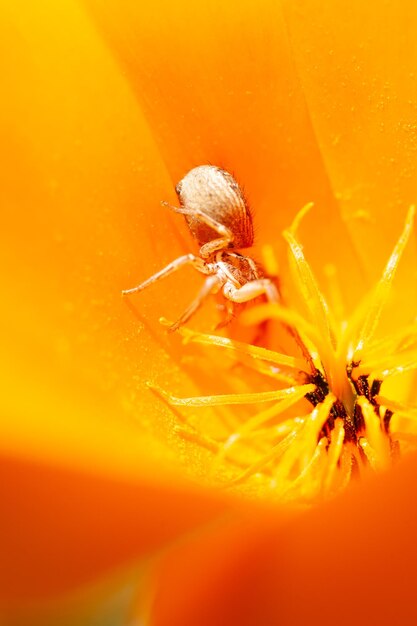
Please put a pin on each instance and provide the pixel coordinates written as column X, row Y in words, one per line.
column 219, row 218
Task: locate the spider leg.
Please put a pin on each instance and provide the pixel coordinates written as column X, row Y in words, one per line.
column 211, row 284
column 228, row 311
column 187, row 259
column 226, row 235
column 251, row 290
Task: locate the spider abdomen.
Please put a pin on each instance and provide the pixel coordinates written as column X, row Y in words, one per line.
column 216, row 193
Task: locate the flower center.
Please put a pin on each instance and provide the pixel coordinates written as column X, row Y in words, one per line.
column 330, row 419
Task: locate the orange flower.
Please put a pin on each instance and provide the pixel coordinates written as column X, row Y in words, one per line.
column 104, row 108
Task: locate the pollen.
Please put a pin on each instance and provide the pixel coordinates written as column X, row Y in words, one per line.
column 301, row 425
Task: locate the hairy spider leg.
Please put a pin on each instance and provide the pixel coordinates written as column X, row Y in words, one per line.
column 187, row 259
column 209, row 248
column 251, row 290
column 211, row 285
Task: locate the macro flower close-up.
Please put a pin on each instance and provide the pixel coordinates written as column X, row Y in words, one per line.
column 209, row 407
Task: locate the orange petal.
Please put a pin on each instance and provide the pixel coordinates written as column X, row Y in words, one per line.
column 61, row 528
column 217, row 84
column 81, row 185
column 348, row 562
column 357, row 69
column 82, row 487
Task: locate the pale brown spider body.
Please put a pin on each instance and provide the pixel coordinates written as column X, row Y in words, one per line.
column 210, row 190
column 219, row 218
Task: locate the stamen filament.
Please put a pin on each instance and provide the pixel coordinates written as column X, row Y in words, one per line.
column 383, row 288
column 255, row 352
column 235, row 398
column 258, row 420
column 333, row 453
column 272, row 455
column 374, row 435
column 351, row 426
column 313, row 298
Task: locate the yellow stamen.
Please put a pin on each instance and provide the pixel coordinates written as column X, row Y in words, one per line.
column 269, row 261
column 335, row 292
column 376, row 438
column 255, row 352
column 333, row 454
column 383, row 288
column 306, row 283
column 299, row 217
column 272, row 455
column 398, row 407
column 258, row 420
column 369, row 452
column 287, row 450
column 308, row 333
column 235, row 398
